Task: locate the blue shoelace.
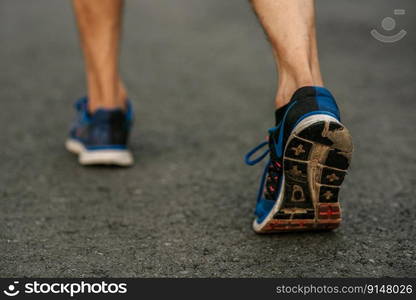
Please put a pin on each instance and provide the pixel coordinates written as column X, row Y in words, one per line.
column 251, row 162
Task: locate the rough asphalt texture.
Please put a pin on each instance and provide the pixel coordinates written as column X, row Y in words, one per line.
column 202, row 79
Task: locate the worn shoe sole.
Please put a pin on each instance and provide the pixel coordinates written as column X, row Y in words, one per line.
column 316, row 159
column 116, row 157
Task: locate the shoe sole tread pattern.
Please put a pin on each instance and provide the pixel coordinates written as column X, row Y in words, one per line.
column 316, row 159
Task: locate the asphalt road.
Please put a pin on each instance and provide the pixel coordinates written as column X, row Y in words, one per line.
column 202, row 79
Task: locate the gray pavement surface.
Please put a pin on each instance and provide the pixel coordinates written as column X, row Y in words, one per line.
column 202, row 79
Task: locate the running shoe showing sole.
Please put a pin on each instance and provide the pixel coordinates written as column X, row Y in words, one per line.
column 101, row 138
column 310, row 151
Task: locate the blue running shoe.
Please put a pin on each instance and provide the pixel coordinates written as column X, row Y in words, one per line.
column 308, row 153
column 101, row 138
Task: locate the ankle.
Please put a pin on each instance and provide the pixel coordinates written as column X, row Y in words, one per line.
column 107, row 100
column 289, row 84
column 95, row 103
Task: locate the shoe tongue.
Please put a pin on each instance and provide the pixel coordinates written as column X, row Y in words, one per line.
column 280, row 112
column 301, row 93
